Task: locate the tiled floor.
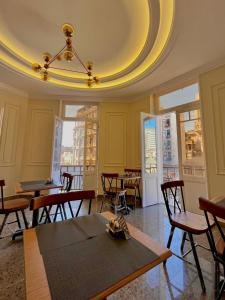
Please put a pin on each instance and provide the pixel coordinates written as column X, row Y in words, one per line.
column 178, row 280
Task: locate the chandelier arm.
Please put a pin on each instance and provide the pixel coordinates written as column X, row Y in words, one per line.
column 77, row 56
column 68, row 70
column 54, row 57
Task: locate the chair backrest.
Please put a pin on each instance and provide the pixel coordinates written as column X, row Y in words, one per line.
column 109, row 182
column 136, row 172
column 67, row 180
column 173, row 196
column 49, row 200
column 2, row 184
column 133, row 172
column 217, row 211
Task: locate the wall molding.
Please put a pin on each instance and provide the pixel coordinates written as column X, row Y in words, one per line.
column 9, row 135
column 38, row 117
column 113, row 137
column 218, row 108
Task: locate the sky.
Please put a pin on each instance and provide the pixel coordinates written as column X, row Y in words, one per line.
column 67, row 135
column 151, row 123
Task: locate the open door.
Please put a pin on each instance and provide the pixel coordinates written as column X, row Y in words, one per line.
column 56, row 152
column 151, row 159
column 90, row 155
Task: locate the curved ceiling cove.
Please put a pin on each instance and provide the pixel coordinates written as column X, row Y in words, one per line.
column 124, row 39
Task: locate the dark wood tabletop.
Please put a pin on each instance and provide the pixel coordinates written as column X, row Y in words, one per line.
column 36, row 186
column 35, row 274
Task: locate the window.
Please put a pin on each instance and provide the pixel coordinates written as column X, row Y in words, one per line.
column 179, row 97
column 80, row 111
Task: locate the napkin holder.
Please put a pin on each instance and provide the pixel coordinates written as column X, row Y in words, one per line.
column 118, row 228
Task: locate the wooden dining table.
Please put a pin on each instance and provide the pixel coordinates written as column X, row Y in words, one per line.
column 37, row 285
column 127, row 177
column 36, row 186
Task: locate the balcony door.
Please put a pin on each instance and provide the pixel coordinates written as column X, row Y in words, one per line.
column 192, row 157
column 79, row 145
column 151, row 159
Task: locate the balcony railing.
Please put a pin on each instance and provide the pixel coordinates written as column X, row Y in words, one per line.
column 77, row 171
column 169, row 173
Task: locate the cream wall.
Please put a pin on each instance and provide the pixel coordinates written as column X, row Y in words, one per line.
column 13, row 112
column 119, row 135
column 27, row 132
column 212, row 94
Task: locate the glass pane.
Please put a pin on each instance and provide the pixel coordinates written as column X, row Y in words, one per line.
column 184, row 116
column 195, row 114
column 179, row 97
column 72, row 110
column 169, row 147
column 72, row 151
column 81, row 111
column 150, row 146
column 91, row 144
column 192, row 146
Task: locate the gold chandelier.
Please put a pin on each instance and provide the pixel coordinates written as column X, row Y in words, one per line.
column 67, row 53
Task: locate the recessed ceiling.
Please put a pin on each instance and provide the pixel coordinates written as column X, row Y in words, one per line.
column 123, row 38
column 106, row 32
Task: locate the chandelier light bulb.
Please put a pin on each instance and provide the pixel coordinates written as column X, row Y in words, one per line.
column 89, row 65
column 46, row 56
column 68, row 29
column 68, row 55
column 44, row 75
column 36, row 67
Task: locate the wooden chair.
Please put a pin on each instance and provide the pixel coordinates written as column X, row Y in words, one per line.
column 217, row 247
column 58, row 199
column 12, row 206
column 190, row 223
column 133, row 184
column 67, row 180
column 113, row 192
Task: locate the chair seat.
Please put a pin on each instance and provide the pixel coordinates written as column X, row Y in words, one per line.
column 131, row 185
column 220, row 247
column 115, row 191
column 14, row 205
column 190, row 222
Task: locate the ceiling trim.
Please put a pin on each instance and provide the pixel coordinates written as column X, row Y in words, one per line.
column 12, row 90
column 166, row 18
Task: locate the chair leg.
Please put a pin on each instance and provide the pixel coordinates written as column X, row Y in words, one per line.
column 18, row 219
column 3, row 223
column 217, row 274
column 71, row 210
column 64, row 211
column 42, row 216
column 135, row 198
column 61, row 212
column 89, row 208
column 197, row 261
column 48, row 215
column 79, row 208
column 183, row 241
column 221, row 291
column 169, row 240
column 139, row 192
column 170, row 236
column 24, row 219
column 56, row 212
column 101, row 205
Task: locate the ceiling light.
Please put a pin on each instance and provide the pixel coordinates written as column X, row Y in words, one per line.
column 67, row 53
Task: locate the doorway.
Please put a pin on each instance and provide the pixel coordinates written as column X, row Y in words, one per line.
column 178, row 148
column 78, row 148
